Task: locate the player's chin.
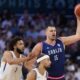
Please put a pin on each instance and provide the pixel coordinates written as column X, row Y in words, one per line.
column 53, row 39
column 22, row 49
column 48, row 66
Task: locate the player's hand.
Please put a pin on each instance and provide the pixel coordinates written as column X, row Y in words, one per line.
column 77, row 11
column 25, row 58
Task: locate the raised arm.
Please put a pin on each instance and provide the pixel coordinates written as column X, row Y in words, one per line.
column 32, row 56
column 35, row 51
column 74, row 38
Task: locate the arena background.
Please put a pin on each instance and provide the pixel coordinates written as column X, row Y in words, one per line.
column 28, row 19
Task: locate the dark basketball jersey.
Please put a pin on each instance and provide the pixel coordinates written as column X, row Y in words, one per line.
column 57, row 57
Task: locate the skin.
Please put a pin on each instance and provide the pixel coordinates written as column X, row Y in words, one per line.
column 42, row 68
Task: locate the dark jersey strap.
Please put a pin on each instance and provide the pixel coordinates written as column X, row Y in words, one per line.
column 4, row 67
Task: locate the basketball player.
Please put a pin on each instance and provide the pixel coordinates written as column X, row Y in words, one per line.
column 12, row 61
column 40, row 73
column 54, row 47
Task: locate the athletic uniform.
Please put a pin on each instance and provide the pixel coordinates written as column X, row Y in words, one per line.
column 57, row 57
column 39, row 76
column 10, row 72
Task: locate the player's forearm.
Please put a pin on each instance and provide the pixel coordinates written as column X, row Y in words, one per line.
column 30, row 64
column 31, row 56
column 78, row 27
column 16, row 61
column 19, row 60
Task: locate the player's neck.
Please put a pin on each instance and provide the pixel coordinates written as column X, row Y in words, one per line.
column 16, row 53
column 41, row 69
column 50, row 41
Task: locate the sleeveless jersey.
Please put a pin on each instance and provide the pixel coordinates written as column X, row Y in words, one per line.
column 10, row 72
column 39, row 76
column 57, row 57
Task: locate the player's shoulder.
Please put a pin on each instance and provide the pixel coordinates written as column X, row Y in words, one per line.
column 7, row 52
column 31, row 74
column 39, row 44
column 59, row 39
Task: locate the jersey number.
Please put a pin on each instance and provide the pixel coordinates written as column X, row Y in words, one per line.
column 55, row 57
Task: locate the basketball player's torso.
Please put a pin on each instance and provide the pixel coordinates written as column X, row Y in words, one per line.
column 39, row 76
column 57, row 57
column 11, row 72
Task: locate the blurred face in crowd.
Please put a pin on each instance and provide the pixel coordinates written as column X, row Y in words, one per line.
column 51, row 32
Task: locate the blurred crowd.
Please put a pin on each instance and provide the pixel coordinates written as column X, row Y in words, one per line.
column 31, row 28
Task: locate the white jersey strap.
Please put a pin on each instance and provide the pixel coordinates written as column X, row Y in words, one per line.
column 14, row 56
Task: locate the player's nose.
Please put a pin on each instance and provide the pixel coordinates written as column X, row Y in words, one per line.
column 49, row 62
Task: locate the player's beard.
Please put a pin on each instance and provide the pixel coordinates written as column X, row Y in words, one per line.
column 19, row 51
column 53, row 39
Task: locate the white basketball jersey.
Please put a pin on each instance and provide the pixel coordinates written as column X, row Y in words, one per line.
column 39, row 76
column 10, row 72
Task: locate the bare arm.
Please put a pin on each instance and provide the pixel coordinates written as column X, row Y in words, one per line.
column 35, row 51
column 32, row 56
column 74, row 38
column 70, row 39
column 30, row 64
column 7, row 57
column 31, row 76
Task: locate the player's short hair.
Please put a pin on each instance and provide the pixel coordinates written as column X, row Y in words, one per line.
column 49, row 26
column 13, row 42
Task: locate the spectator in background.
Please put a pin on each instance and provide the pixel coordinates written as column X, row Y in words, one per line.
column 6, row 15
column 14, row 27
column 77, row 73
column 21, row 31
column 60, row 4
column 32, row 32
column 2, row 41
column 25, row 18
column 27, row 49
